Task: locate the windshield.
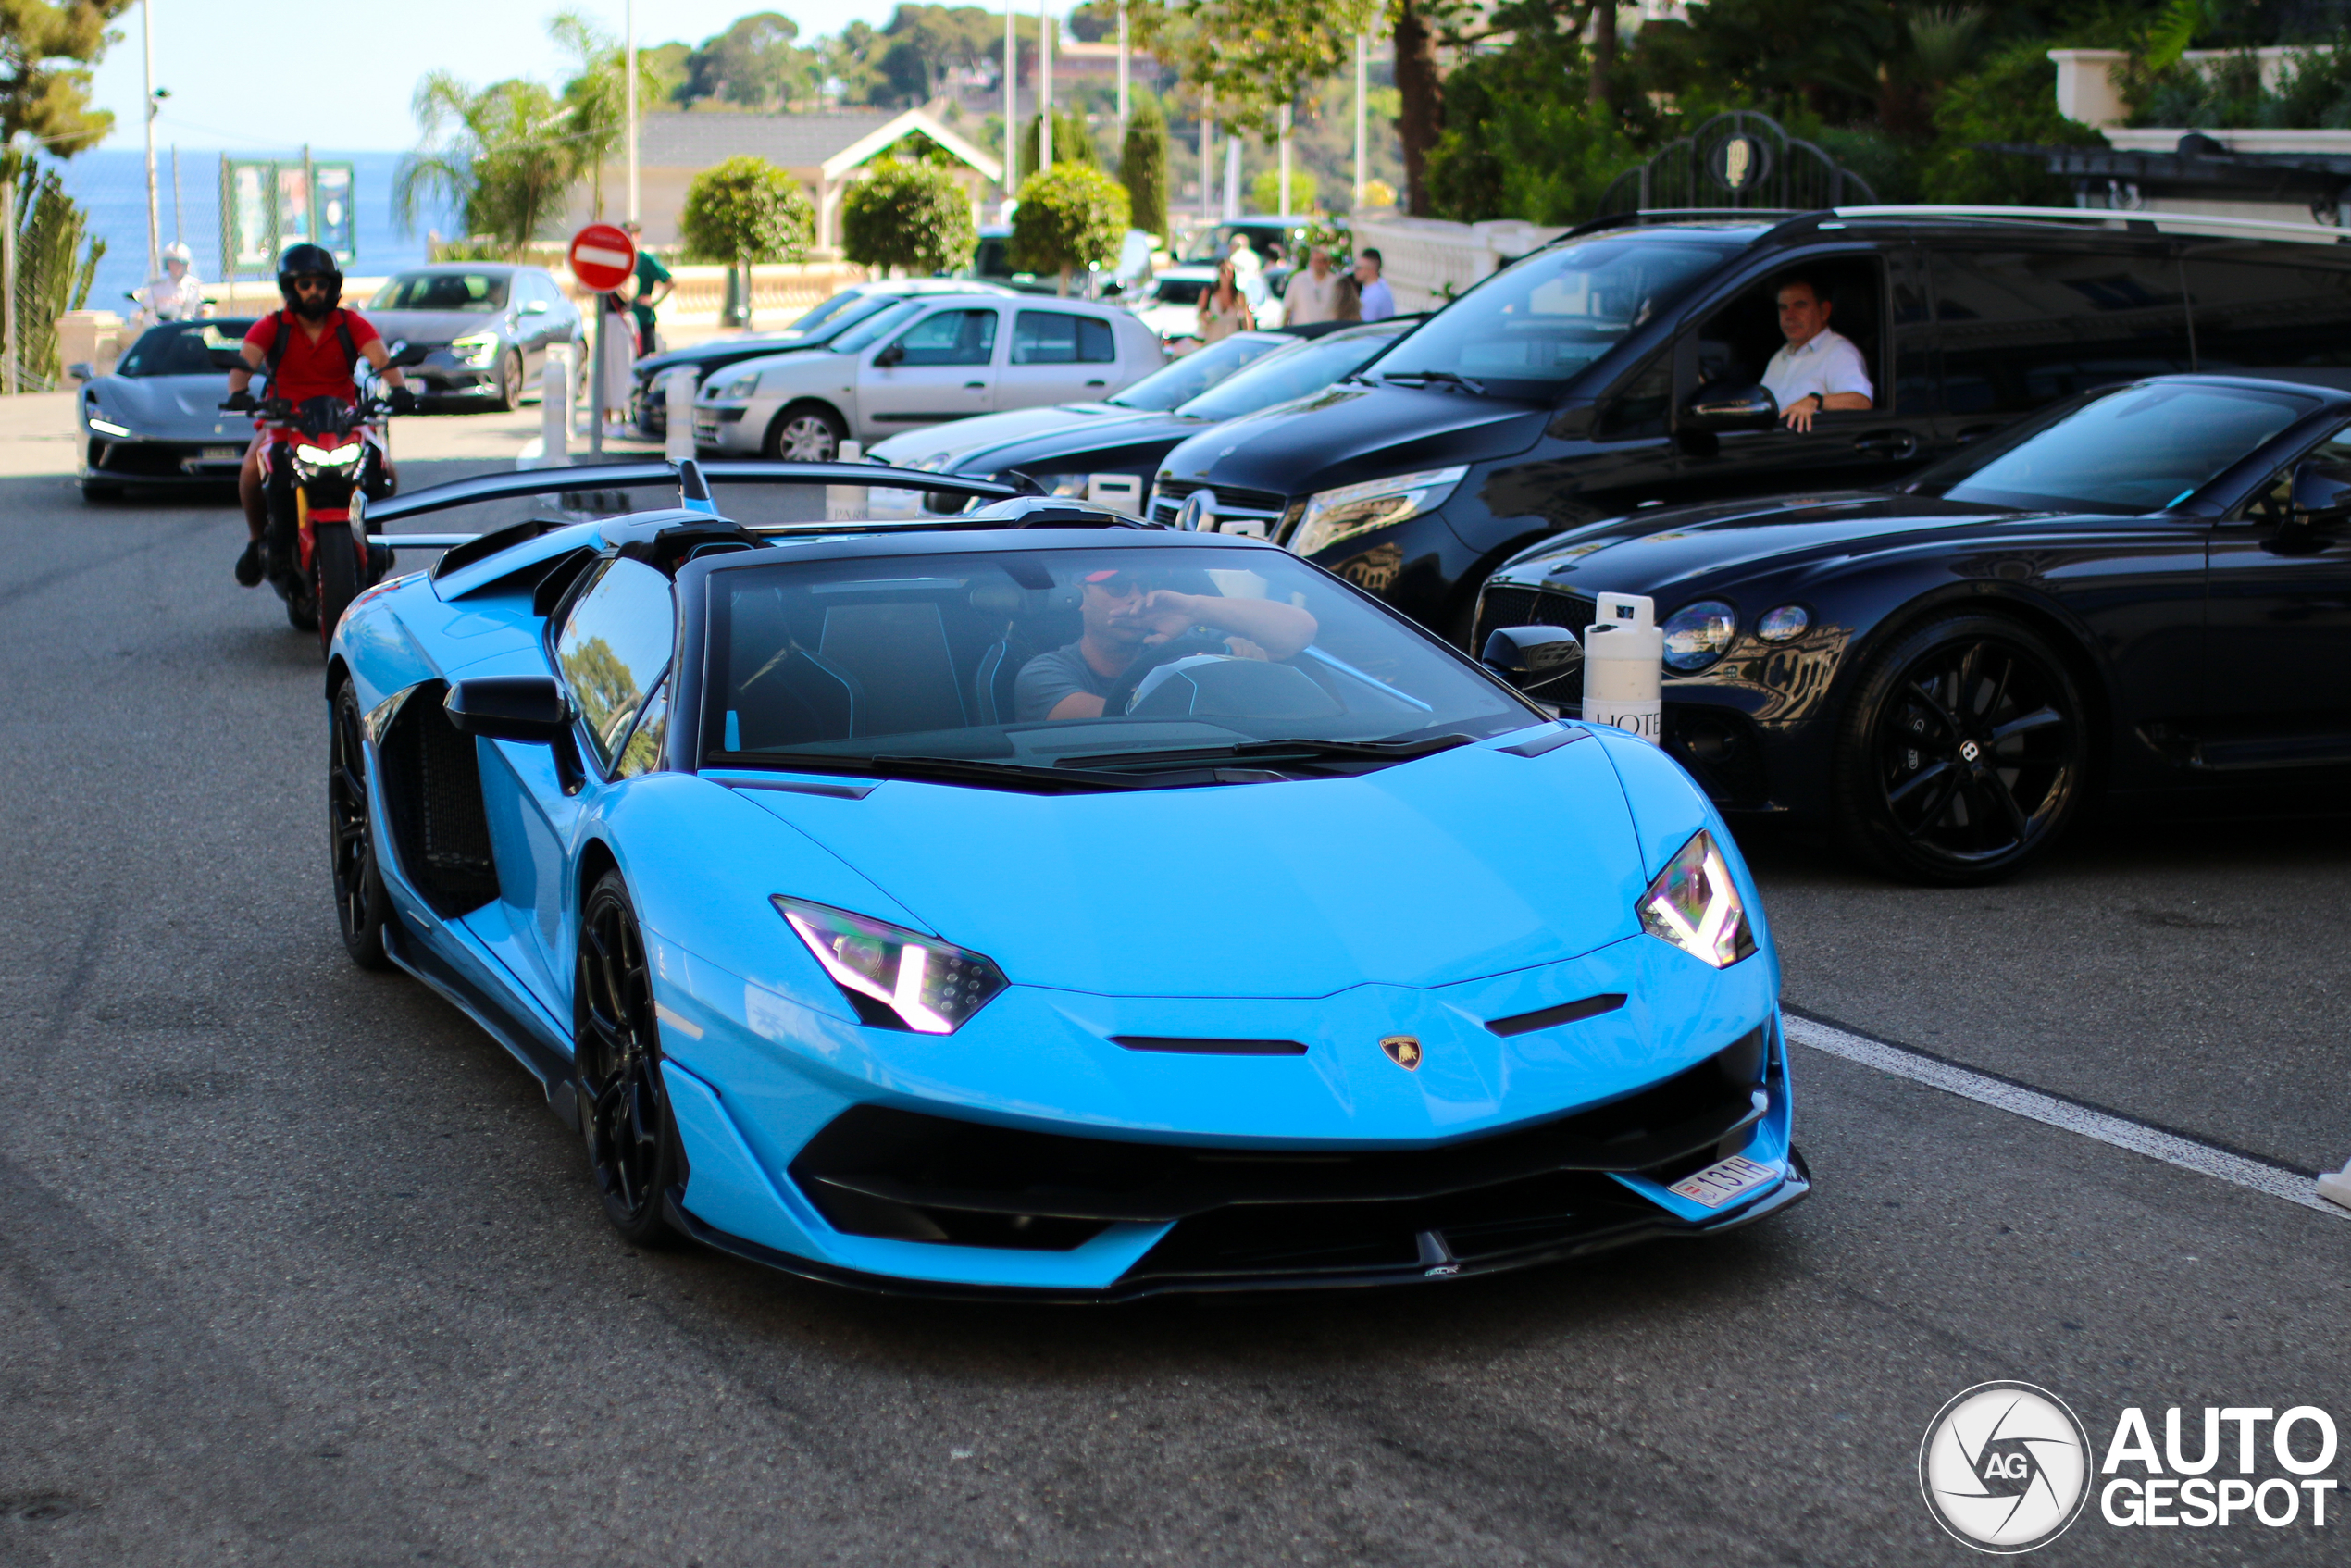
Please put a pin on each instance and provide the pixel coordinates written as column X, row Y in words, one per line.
column 2141, row 449
column 1530, row 328
column 1183, row 380
column 1215, row 244
column 1297, row 372
column 469, row 293
column 866, row 331
column 198, row 348
column 840, row 304
column 1177, row 291
column 1034, row 657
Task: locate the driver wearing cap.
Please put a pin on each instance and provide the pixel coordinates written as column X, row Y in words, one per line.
column 1125, row 615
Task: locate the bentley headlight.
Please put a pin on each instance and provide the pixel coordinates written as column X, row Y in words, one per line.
column 1336, row 514
column 743, row 386
column 1697, row 635
column 476, row 350
column 1694, row 906
column 896, row 978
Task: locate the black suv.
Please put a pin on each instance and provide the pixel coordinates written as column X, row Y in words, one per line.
column 1615, row 369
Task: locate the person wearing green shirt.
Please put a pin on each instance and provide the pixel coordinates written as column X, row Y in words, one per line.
column 653, row 285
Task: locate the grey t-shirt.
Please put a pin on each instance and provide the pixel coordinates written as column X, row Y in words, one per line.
column 1048, row 678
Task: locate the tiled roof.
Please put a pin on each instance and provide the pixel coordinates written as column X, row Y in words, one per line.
column 794, row 142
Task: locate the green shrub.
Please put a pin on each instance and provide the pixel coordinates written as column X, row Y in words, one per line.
column 1142, row 168
column 909, row 215
column 1266, row 190
column 1069, row 216
column 2012, row 97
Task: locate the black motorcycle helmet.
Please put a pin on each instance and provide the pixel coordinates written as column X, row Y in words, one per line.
column 310, row 261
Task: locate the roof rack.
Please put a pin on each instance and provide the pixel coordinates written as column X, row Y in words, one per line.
column 1677, row 215
column 2141, row 223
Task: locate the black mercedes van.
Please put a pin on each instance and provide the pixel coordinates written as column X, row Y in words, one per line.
column 1616, row 368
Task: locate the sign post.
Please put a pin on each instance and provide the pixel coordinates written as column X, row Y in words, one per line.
column 602, row 257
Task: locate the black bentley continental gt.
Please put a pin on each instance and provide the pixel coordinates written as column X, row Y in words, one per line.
column 2142, row 597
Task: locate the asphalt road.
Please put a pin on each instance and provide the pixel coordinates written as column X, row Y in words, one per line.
column 295, row 1268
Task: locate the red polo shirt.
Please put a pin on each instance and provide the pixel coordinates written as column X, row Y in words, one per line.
column 312, row 368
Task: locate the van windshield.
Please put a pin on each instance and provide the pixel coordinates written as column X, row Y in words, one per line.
column 1533, row 326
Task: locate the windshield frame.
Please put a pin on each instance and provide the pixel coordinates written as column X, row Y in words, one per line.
column 690, row 744
column 1176, row 367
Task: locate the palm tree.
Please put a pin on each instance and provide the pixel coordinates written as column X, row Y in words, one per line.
column 503, row 154
column 595, row 101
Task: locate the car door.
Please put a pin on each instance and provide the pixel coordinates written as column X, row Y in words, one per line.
column 2277, row 637
column 1058, row 356
column 940, row 367
column 537, row 322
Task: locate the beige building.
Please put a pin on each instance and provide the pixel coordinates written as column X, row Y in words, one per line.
column 823, row 152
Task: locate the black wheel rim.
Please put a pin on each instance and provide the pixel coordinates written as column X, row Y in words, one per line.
column 347, row 822
column 617, row 1052
column 1978, row 751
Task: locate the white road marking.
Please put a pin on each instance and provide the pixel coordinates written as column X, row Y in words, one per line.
column 2121, row 1132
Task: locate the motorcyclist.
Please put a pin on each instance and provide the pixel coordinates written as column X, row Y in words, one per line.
column 310, row 349
column 178, row 295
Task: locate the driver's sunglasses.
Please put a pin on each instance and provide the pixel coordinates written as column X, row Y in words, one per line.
column 1118, row 585
column 310, row 283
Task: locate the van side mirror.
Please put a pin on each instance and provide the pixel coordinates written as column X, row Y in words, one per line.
column 2321, row 496
column 894, row 354
column 1731, row 407
column 509, row 707
column 1531, row 655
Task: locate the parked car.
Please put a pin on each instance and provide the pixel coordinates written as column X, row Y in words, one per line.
column 2143, row 597
column 1109, row 458
column 1592, row 377
column 650, row 411
column 488, row 326
column 923, row 361
column 1328, row 961
column 156, row 419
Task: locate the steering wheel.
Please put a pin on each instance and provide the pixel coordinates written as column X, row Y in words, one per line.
column 1122, row 691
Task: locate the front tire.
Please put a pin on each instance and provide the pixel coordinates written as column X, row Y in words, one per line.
column 509, row 396
column 624, row 1109
column 341, row 572
column 805, row 432
column 360, row 902
column 1963, row 754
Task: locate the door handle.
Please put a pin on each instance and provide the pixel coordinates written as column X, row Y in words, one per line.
column 1888, row 443
column 974, row 386
column 1097, row 382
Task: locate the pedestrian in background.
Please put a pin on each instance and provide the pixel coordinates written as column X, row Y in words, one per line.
column 653, row 285
column 1224, row 310
column 1347, row 298
column 1313, row 293
column 1379, row 304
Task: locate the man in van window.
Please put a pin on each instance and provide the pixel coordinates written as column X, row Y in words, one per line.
column 1819, row 369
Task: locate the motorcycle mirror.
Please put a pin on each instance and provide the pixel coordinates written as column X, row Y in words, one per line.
column 509, row 707
column 1529, row 655
column 82, row 371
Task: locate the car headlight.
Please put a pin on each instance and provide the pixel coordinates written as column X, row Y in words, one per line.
column 328, row 457
column 1697, row 635
column 741, row 386
column 1784, row 623
column 107, row 427
column 1694, row 906
column 1334, row 514
column 478, row 350
column 896, row 978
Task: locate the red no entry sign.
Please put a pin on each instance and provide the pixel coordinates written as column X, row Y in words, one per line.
column 602, row 257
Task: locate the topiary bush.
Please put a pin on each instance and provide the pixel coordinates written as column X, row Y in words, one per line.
column 909, row 215
column 1069, row 216
column 743, row 211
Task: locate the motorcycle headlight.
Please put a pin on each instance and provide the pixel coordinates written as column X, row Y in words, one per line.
column 1697, row 635
column 743, row 386
column 1336, row 514
column 476, row 350
column 1694, row 906
column 327, row 456
column 896, row 978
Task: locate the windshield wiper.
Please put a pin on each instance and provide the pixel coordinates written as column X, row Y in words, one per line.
column 1442, row 377
column 1346, row 751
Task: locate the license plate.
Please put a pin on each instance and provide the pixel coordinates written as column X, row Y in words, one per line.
column 1722, row 1181
column 222, row 454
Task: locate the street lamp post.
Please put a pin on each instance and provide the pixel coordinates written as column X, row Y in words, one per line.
column 154, row 204
column 1362, row 80
column 1044, row 89
column 1011, row 103
column 1286, row 121
column 1122, row 72
column 628, row 65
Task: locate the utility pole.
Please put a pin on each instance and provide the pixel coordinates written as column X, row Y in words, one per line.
column 630, row 65
column 1011, row 103
column 8, row 283
column 1122, row 75
column 1044, row 89
column 178, row 234
column 155, row 206
column 1207, row 108
column 1286, row 207
column 1362, row 79
column 1232, row 179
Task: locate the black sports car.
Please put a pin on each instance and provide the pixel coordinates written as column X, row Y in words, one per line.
column 2143, row 596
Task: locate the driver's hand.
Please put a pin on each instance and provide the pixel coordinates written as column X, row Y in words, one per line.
column 1798, row 416
column 1242, row 648
column 1167, row 614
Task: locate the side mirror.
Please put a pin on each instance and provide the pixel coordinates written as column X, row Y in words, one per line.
column 1731, row 407
column 1531, row 655
column 509, row 707
column 405, row 354
column 534, row 307
column 2321, row 495
column 82, row 371
column 895, row 354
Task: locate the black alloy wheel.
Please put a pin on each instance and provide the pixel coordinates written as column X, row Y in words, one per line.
column 1963, row 754
column 624, row 1111
column 361, row 907
column 510, row 382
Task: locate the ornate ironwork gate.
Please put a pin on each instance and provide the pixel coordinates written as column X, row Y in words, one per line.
column 1738, row 160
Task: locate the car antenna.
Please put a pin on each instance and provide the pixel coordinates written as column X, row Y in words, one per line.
column 693, row 491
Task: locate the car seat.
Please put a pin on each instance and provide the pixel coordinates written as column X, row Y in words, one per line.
column 897, row 652
column 1031, row 619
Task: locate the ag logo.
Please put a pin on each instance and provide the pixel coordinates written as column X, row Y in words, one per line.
column 1404, row 1051
column 2005, row 1467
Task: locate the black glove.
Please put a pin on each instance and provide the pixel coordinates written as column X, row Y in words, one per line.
column 403, row 400
column 238, row 402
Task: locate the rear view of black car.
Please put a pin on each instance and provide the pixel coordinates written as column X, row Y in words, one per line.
column 1617, row 369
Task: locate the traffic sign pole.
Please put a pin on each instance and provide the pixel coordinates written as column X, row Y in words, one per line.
column 601, row 259
column 596, row 380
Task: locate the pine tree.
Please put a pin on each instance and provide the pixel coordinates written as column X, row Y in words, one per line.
column 1142, row 168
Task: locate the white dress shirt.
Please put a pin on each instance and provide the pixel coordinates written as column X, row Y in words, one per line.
column 1310, row 299
column 1379, row 301
column 1828, row 362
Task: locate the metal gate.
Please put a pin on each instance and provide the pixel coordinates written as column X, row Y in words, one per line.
column 1738, row 160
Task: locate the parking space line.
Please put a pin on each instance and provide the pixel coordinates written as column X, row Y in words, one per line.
column 2107, row 1126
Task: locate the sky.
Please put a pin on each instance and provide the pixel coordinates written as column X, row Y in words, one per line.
column 232, row 85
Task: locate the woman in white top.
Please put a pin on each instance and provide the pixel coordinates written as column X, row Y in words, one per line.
column 1224, row 310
